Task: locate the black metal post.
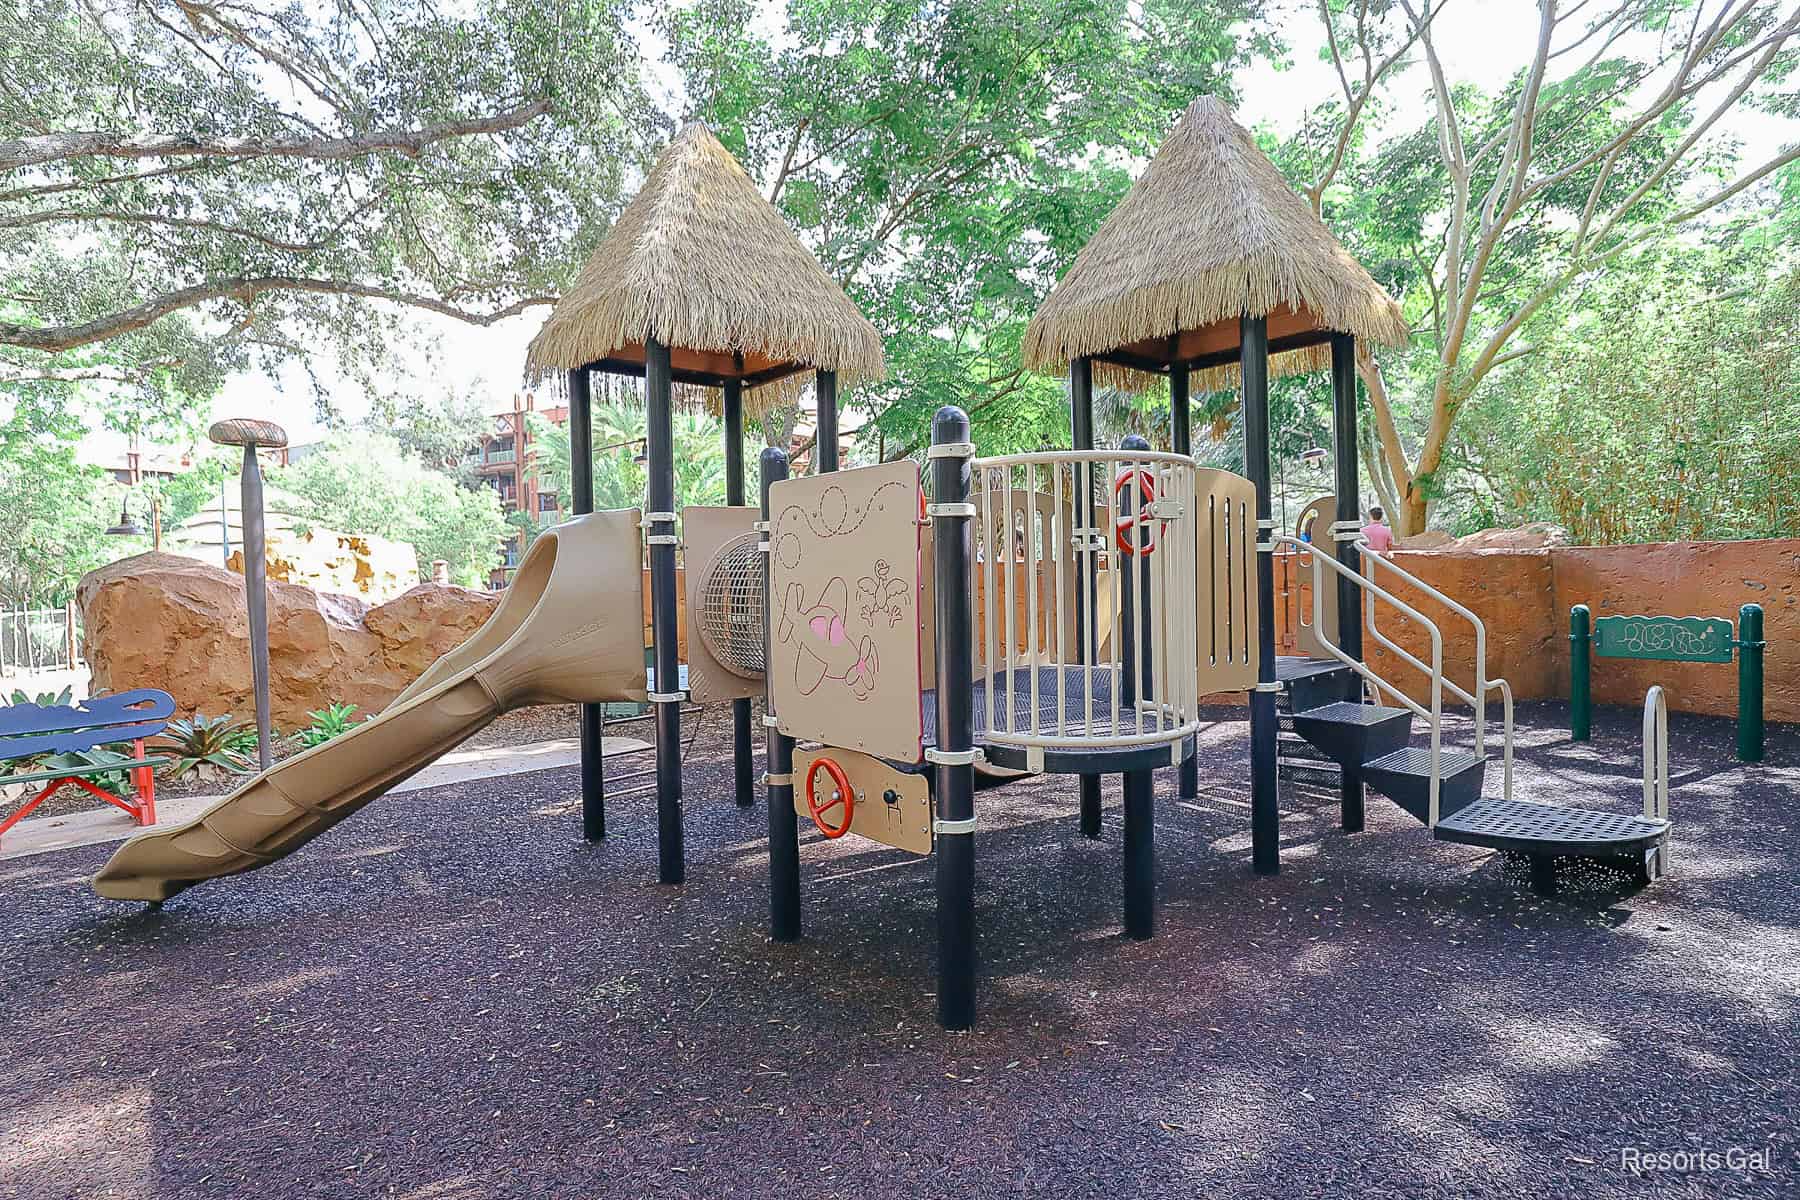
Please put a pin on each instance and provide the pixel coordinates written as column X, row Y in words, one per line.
column 742, row 752
column 1140, row 855
column 784, row 829
column 660, row 499
column 1265, row 813
column 1181, row 439
column 955, row 828
column 825, row 435
column 256, row 592
column 1351, row 794
column 581, row 485
column 1081, row 429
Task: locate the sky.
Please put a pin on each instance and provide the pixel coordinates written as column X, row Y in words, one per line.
column 1479, row 41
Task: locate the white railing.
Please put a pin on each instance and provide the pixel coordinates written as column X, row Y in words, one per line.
column 1483, row 685
column 33, row 640
column 1656, row 768
column 1054, row 585
column 1434, row 716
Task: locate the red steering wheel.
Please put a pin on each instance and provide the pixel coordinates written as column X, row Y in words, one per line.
column 845, row 798
column 1125, row 528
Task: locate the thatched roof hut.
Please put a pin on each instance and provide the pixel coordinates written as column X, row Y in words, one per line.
column 1210, row 231
column 702, row 263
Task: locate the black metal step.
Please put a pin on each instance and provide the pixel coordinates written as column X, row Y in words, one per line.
column 1405, row 778
column 1532, row 828
column 1312, row 682
column 1545, row 833
column 1351, row 733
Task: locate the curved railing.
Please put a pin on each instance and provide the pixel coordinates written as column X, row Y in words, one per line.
column 1656, row 767
column 1434, row 716
column 1483, row 685
column 1057, row 590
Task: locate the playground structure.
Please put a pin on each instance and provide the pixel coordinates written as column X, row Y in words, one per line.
column 1076, row 603
column 1670, row 639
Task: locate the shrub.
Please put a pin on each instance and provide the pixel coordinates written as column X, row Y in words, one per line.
column 327, row 724
column 42, row 699
column 218, row 744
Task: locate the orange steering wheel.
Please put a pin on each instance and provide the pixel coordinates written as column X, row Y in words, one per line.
column 1125, row 528
column 845, row 798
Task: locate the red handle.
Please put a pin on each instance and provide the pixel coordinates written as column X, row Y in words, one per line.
column 845, row 797
column 1125, row 528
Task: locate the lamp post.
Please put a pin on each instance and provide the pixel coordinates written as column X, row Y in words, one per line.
column 251, row 434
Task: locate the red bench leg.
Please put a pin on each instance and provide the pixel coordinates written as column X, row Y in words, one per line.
column 32, row 803
column 143, row 781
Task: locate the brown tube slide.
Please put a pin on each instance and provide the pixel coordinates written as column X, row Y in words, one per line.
column 568, row 630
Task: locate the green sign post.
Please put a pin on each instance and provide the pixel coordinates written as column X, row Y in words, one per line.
column 1670, row 639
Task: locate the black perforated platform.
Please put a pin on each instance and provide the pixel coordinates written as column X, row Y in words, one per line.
column 1550, row 829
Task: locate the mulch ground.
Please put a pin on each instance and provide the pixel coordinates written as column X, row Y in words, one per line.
column 452, row 996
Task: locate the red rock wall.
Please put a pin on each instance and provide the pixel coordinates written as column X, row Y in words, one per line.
column 1524, row 597
column 163, row 621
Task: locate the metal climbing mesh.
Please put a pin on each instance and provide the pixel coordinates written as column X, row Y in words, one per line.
column 731, row 609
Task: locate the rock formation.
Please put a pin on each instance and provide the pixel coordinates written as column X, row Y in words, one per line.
column 169, row 622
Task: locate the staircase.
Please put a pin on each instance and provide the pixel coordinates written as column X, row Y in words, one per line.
column 1440, row 786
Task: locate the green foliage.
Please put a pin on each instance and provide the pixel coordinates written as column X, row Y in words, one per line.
column 198, row 487
column 40, row 699
column 328, row 723
column 81, row 762
column 619, row 478
column 1665, row 405
column 211, row 741
column 366, row 483
column 946, row 161
column 527, row 114
column 57, row 513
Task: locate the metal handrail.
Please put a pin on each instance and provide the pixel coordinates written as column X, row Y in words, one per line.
column 1656, row 767
column 1483, row 685
column 1435, row 717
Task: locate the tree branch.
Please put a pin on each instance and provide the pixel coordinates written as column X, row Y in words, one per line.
column 244, row 290
column 57, row 147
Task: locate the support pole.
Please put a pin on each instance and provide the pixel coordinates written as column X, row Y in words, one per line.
column 1081, row 428
column 1581, row 674
column 256, row 591
column 1750, row 683
column 955, row 836
column 1140, row 855
column 1351, row 794
column 581, row 500
column 1181, row 438
column 1265, row 813
column 784, row 830
column 743, row 753
column 825, row 436
column 660, row 498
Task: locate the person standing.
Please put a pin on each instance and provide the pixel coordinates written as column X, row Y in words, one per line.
column 1376, row 532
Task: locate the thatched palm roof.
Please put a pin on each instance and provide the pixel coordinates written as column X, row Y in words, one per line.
column 701, row 262
column 1210, row 231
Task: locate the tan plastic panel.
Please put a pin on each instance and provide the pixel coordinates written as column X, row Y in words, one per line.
column 843, row 596
column 568, row 630
column 1315, row 520
column 1225, row 568
column 892, row 807
column 705, row 531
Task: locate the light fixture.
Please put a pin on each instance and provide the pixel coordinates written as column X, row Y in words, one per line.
column 1316, row 454
column 126, row 526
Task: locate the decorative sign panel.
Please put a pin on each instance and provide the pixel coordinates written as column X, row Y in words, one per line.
column 843, row 609
column 1669, row 639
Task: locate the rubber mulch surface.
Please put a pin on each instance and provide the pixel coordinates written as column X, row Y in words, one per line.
column 451, row 996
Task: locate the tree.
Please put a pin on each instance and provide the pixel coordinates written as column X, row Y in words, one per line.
column 366, row 483
column 57, row 513
column 1603, row 142
column 189, row 186
column 619, row 479
column 1666, row 407
column 443, row 428
column 947, row 161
